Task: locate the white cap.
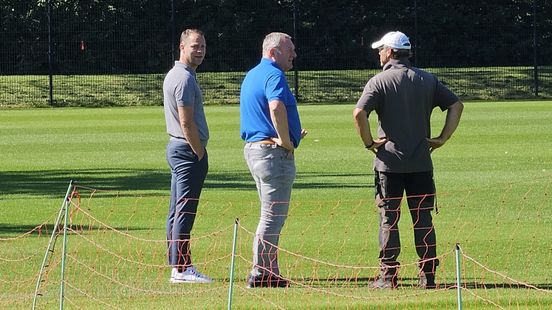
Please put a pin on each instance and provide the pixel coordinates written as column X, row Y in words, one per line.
column 393, row 39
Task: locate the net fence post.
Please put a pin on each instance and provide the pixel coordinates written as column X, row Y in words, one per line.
column 50, row 66
column 416, row 33
column 51, row 243
column 173, row 36
column 295, row 71
column 64, row 254
column 458, row 277
column 232, row 263
column 535, row 57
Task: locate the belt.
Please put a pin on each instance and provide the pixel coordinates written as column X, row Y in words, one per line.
column 267, row 141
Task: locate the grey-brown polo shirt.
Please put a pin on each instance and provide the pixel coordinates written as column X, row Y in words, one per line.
column 403, row 98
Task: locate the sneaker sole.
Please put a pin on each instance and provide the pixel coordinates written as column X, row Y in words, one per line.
column 174, row 281
column 252, row 286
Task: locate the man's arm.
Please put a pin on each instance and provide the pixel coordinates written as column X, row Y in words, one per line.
column 363, row 129
column 189, row 128
column 278, row 114
column 454, row 112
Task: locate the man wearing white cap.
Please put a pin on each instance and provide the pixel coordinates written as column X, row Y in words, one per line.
column 403, row 98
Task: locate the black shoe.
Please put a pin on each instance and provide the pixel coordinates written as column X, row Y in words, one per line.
column 384, row 283
column 427, row 270
column 266, row 281
column 427, row 281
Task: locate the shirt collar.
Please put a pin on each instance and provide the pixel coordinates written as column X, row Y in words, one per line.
column 183, row 65
column 270, row 62
column 397, row 63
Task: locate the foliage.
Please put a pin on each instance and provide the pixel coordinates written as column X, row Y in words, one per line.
column 116, row 36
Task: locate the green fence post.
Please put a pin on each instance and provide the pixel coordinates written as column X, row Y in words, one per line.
column 63, row 256
column 458, row 275
column 232, row 263
column 51, row 243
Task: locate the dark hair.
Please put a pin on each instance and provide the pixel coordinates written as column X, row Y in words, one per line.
column 400, row 53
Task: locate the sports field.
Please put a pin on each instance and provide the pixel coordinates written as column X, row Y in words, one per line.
column 494, row 182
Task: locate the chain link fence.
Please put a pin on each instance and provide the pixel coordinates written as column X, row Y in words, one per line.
column 64, row 53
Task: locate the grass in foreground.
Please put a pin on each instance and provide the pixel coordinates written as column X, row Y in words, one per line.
column 493, row 178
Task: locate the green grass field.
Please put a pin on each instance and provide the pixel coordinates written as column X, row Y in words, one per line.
column 493, row 178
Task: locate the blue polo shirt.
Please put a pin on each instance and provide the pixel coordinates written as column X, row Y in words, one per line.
column 262, row 84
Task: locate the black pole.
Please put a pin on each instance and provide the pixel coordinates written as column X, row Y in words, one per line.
column 173, row 26
column 296, row 46
column 415, row 32
column 50, row 76
column 535, row 58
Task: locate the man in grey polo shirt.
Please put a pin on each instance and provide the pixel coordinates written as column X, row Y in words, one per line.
column 186, row 153
column 403, row 98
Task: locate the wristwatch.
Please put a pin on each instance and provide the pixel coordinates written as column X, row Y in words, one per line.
column 370, row 146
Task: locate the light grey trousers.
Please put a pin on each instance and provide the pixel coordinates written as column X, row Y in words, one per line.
column 273, row 169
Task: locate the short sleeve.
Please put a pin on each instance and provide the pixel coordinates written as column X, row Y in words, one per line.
column 444, row 97
column 275, row 87
column 185, row 92
column 370, row 98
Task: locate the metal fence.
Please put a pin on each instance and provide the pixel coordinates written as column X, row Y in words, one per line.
column 82, row 58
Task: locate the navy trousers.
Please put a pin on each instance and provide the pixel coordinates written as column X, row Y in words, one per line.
column 187, row 177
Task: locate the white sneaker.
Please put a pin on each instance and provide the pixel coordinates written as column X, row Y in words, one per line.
column 191, row 275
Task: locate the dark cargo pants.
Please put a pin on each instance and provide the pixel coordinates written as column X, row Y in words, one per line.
column 420, row 195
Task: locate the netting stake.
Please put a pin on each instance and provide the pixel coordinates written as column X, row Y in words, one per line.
column 458, row 274
column 51, row 243
column 232, row 263
column 64, row 255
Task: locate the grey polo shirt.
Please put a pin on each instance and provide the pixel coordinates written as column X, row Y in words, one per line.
column 180, row 88
column 403, row 98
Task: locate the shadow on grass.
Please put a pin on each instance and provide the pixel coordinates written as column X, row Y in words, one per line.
column 488, row 285
column 46, row 230
column 412, row 283
column 54, row 183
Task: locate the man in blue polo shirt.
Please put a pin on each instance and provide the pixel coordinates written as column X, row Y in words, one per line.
column 271, row 128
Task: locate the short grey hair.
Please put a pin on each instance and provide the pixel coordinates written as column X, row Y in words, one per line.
column 273, row 40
